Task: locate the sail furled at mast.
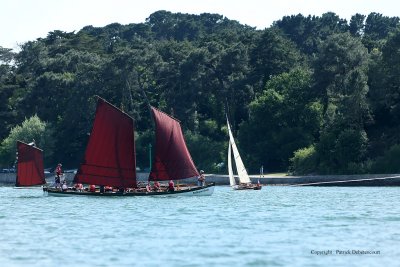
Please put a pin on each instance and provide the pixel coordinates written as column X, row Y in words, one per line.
column 30, row 170
column 172, row 159
column 110, row 153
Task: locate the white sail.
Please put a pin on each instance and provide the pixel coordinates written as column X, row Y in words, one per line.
column 241, row 170
column 232, row 181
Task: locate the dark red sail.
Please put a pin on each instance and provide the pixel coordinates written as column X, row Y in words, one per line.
column 110, row 154
column 172, row 158
column 30, row 170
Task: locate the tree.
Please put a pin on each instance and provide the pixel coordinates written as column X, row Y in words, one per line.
column 309, row 32
column 341, row 81
column 377, row 28
column 384, row 97
column 7, row 87
column 357, row 26
column 273, row 54
column 6, row 55
column 391, row 63
column 282, row 120
column 30, row 129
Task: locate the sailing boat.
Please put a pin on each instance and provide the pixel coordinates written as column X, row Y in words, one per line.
column 244, row 180
column 30, row 170
column 110, row 157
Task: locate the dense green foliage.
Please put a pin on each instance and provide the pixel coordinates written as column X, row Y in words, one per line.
column 304, row 161
column 310, row 94
column 32, row 129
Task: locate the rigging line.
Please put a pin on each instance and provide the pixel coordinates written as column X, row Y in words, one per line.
column 348, row 181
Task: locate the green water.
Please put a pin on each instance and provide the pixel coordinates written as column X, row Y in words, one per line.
column 277, row 226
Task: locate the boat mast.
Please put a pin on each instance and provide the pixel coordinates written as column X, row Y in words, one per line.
column 151, row 114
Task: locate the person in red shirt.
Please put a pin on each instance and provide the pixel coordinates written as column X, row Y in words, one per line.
column 108, row 188
column 148, row 187
column 92, row 188
column 58, row 169
column 156, row 186
column 79, row 187
column 171, row 186
column 58, row 172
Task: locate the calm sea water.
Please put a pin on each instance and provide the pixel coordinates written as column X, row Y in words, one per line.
column 277, row 226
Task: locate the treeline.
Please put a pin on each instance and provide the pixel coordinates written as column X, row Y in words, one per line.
column 313, row 94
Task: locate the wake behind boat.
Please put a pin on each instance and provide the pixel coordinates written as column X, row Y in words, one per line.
column 110, row 157
column 244, row 179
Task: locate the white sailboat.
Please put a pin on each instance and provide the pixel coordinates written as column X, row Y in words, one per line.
column 244, row 179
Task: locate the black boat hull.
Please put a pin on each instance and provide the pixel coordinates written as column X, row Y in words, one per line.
column 207, row 190
column 248, row 187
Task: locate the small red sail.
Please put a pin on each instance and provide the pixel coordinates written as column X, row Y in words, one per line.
column 30, row 170
column 110, row 154
column 172, row 158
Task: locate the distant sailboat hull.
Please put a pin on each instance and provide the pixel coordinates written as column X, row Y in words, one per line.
column 247, row 187
column 207, row 190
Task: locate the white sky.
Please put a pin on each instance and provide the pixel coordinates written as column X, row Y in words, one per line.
column 27, row 20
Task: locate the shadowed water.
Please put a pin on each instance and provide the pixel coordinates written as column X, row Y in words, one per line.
column 277, row 226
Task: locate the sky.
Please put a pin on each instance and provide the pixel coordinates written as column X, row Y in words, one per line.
column 27, row 20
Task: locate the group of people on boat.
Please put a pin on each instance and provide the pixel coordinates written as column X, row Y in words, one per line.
column 61, row 183
column 155, row 188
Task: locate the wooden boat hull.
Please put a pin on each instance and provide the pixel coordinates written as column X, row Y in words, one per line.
column 247, row 187
column 207, row 190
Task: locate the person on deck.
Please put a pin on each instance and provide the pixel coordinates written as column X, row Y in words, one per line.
column 201, row 180
column 78, row 187
column 92, row 188
column 148, row 187
column 58, row 172
column 64, row 186
column 108, row 188
column 156, row 186
column 171, row 186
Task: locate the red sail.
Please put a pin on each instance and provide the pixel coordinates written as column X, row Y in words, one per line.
column 172, row 158
column 30, row 169
column 110, row 154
